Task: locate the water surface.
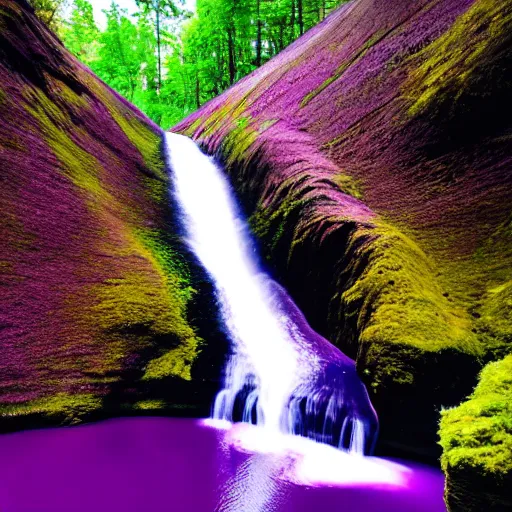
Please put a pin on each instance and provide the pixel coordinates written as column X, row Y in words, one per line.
column 184, row 465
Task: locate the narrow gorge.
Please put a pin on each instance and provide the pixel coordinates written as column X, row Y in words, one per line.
column 322, row 250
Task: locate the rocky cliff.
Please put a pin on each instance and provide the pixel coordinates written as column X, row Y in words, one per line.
column 373, row 157
column 97, row 294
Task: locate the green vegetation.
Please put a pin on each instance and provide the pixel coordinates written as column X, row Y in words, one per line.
column 49, row 11
column 398, row 305
column 67, row 408
column 149, row 405
column 476, row 438
column 169, row 61
column 449, row 63
column 494, row 321
column 406, row 302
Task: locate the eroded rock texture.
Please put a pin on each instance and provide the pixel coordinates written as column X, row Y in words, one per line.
column 374, row 159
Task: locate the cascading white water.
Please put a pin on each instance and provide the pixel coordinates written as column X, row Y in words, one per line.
column 273, row 366
column 262, row 352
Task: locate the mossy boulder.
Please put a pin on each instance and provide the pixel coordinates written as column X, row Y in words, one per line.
column 476, row 438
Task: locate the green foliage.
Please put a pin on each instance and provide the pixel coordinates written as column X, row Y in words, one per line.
column 49, row 11
column 476, row 438
column 119, row 63
column 169, row 62
column 227, row 39
column 81, row 36
column 479, row 432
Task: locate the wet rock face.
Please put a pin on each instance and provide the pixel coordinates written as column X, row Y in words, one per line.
column 332, row 406
column 96, row 285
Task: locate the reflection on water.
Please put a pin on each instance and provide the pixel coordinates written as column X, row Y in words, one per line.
column 179, row 465
column 255, row 486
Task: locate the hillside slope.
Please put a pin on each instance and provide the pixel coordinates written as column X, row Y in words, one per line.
column 373, row 157
column 96, row 288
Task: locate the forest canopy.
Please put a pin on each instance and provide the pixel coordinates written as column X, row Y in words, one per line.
column 167, row 60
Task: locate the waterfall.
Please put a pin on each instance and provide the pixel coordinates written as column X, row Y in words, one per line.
column 280, row 374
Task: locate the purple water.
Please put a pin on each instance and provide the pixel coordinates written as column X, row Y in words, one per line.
column 183, row 465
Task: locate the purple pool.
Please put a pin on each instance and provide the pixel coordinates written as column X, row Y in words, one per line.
column 184, row 465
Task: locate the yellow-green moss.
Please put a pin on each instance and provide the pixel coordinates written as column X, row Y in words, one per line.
column 174, row 363
column 170, row 262
column 449, row 60
column 140, row 299
column 68, row 408
column 266, row 220
column 478, row 433
column 152, row 301
column 81, row 167
column 398, row 297
column 145, row 405
column 237, row 143
column 348, row 184
column 494, row 323
column 66, row 95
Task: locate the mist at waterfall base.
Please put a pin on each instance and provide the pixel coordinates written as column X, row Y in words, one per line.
column 281, row 375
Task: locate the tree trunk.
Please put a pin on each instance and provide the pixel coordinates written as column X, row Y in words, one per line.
column 258, row 34
column 321, row 10
column 301, row 20
column 217, row 85
column 159, row 83
column 292, row 21
column 231, row 56
column 198, row 99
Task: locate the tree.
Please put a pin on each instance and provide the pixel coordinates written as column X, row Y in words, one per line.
column 81, row 35
column 169, row 63
column 161, row 9
column 48, row 11
column 119, row 62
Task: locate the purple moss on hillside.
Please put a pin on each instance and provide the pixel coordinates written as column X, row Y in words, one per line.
column 95, row 296
column 410, row 103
